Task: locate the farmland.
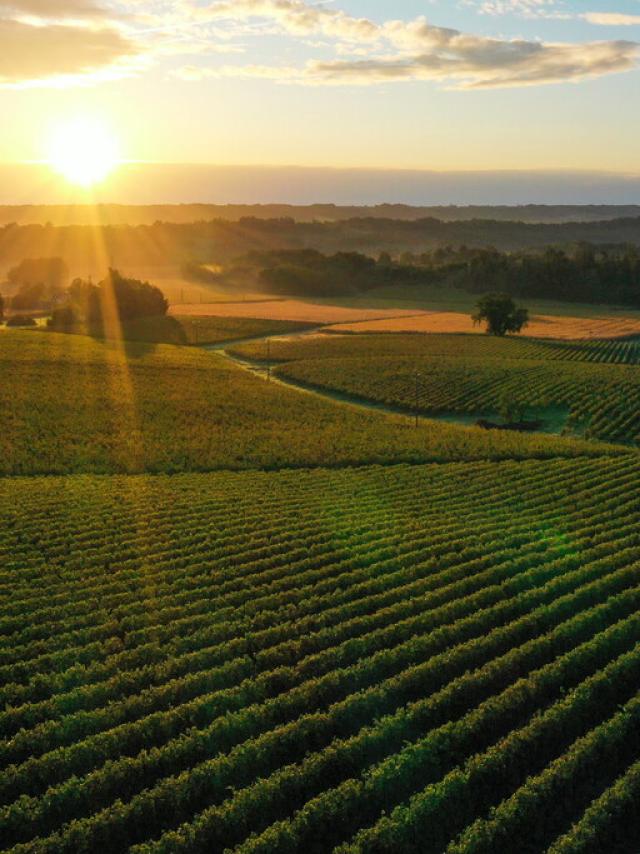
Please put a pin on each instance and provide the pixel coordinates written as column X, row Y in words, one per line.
column 74, row 404
column 179, row 329
column 597, row 382
column 406, row 315
column 323, row 346
column 540, row 326
column 319, row 427
column 293, row 310
column 237, row 616
column 363, row 660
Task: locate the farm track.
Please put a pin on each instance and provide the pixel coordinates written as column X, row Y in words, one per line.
column 469, row 392
column 266, row 372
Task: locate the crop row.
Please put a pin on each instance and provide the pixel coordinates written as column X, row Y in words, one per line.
column 392, row 658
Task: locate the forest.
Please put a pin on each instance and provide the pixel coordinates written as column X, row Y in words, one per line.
column 583, row 273
column 92, row 248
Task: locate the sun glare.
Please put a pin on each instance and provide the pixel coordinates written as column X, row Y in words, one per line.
column 84, row 151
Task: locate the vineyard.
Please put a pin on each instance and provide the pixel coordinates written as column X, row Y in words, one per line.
column 597, row 382
column 179, row 330
column 72, row 404
column 322, row 346
column 416, row 658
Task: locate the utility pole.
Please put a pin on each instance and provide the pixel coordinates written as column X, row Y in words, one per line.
column 268, row 360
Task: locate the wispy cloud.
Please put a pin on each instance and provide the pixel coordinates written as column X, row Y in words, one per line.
column 44, row 40
column 524, row 8
column 612, row 19
column 416, row 50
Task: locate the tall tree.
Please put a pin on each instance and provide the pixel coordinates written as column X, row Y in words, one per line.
column 500, row 314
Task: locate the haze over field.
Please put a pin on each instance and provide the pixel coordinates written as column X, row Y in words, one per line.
column 154, row 183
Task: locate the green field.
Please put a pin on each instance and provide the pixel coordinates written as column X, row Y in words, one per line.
column 175, row 329
column 75, row 404
column 366, row 660
column 391, row 345
column 597, row 383
column 237, row 616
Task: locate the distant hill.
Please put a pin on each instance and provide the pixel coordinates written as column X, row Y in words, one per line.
column 112, row 214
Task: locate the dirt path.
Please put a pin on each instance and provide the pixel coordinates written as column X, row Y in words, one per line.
column 265, row 370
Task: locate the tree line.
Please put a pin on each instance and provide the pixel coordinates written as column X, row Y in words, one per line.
column 583, row 273
column 221, row 241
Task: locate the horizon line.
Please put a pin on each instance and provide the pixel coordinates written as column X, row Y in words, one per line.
column 328, row 168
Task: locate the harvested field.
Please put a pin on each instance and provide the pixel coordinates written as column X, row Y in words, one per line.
column 541, row 325
column 292, row 309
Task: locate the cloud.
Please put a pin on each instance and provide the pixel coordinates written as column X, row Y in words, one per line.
column 51, row 9
column 417, row 50
column 474, row 63
column 612, row 19
column 526, row 8
column 39, row 53
column 295, row 16
column 83, row 38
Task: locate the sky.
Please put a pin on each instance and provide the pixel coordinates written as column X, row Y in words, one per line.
column 461, row 85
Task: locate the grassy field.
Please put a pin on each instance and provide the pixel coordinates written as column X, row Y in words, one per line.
column 406, row 658
column 74, row 404
column 176, row 329
column 598, row 384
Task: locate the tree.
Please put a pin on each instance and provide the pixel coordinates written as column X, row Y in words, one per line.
column 510, row 409
column 500, row 313
column 50, row 272
column 63, row 318
column 130, row 298
column 21, row 320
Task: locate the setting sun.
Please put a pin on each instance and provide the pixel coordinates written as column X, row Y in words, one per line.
column 84, row 151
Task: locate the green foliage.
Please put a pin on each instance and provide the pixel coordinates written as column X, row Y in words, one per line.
column 50, row 272
column 175, row 329
column 510, row 408
column 20, row 320
column 104, row 307
column 310, row 273
column 76, row 404
column 216, row 241
column 597, row 383
column 403, row 658
column 500, row 314
column 615, row 351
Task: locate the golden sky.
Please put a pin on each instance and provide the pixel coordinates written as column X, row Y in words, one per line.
column 409, row 84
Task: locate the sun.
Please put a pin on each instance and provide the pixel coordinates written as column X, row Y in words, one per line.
column 84, row 151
